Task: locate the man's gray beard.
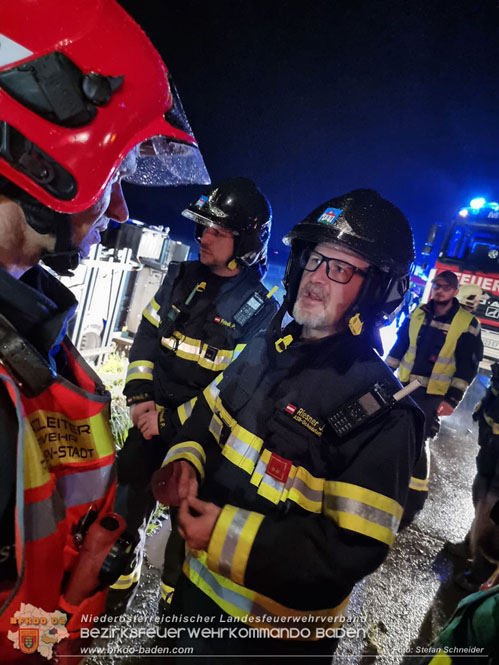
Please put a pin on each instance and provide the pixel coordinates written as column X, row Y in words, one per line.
column 306, row 319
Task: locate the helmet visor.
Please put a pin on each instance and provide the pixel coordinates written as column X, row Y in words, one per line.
column 166, row 160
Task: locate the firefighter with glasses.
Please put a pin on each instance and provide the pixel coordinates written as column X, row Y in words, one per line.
column 293, row 471
column 85, row 102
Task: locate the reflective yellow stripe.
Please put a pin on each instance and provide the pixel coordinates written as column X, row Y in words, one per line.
column 140, row 369
column 151, row 313
column 167, row 592
column 238, row 350
column 407, row 362
column 195, row 350
column 359, row 509
column 231, row 542
column 184, row 410
column 418, row 484
column 127, row 581
column 190, row 451
column 441, row 658
column 444, row 367
column 491, row 423
column 422, row 484
column 238, row 601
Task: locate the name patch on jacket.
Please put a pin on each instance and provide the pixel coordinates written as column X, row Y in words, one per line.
column 223, row 322
column 305, row 419
column 61, row 439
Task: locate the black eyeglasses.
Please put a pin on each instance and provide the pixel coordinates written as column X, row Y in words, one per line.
column 336, row 270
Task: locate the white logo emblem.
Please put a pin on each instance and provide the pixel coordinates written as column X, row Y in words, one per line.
column 11, row 51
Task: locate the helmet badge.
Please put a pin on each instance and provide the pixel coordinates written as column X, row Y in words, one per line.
column 329, row 215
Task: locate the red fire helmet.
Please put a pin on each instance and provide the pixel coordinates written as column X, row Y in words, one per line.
column 80, row 87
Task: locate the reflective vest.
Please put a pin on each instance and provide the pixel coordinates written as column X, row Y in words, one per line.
column 67, row 452
column 445, row 366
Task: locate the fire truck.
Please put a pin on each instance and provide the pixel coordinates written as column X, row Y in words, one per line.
column 471, row 249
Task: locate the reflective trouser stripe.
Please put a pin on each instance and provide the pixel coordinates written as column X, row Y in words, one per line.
column 422, row 484
column 167, row 592
column 127, row 581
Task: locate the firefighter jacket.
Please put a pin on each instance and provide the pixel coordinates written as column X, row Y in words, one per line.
column 171, row 362
column 305, row 514
column 487, row 414
column 56, row 455
column 442, row 352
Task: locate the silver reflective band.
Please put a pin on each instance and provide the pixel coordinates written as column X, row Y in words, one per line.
column 230, row 543
column 354, row 507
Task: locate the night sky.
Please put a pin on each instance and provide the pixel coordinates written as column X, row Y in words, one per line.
column 312, row 99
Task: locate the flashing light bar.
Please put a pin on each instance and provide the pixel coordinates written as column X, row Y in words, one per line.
column 476, row 204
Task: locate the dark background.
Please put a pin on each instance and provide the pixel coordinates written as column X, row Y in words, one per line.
column 312, row 99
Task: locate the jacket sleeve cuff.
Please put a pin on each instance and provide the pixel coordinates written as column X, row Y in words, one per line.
column 231, row 542
column 137, row 399
column 190, row 451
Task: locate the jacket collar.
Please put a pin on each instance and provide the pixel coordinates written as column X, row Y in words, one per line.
column 39, row 306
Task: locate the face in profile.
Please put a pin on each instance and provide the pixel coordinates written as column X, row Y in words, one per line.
column 217, row 247
column 89, row 224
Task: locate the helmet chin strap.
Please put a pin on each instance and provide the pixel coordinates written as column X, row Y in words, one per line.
column 65, row 257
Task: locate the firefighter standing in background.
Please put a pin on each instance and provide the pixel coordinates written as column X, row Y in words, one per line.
column 440, row 345
column 71, row 75
column 292, row 512
column 481, row 544
column 203, row 313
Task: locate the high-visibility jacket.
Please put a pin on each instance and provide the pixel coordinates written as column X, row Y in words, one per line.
column 65, row 466
column 472, row 632
column 442, row 352
column 445, row 366
column 305, row 514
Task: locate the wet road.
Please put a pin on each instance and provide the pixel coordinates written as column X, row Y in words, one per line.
column 405, row 603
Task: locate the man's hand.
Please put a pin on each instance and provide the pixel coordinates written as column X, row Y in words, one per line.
column 445, row 409
column 137, row 410
column 175, row 482
column 148, row 424
column 196, row 522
